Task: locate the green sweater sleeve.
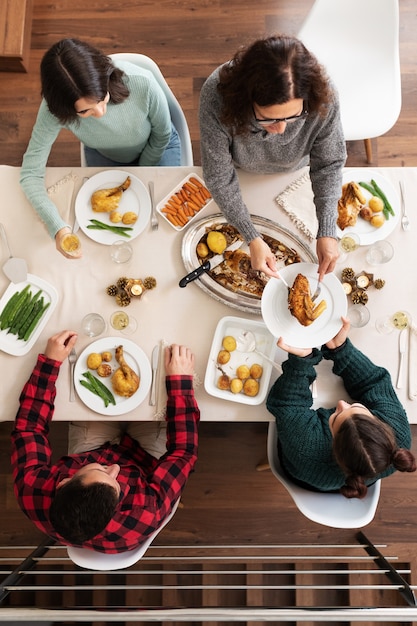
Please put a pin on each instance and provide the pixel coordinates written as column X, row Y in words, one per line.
column 371, row 385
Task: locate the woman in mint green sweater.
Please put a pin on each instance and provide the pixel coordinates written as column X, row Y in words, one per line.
column 119, row 112
column 349, row 447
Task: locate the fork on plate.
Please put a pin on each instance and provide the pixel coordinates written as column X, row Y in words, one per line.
column 154, row 215
column 317, row 292
column 72, row 359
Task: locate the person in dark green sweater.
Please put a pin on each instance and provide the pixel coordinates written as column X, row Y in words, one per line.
column 349, row 447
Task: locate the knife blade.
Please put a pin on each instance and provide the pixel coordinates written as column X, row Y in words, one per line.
column 209, row 265
column 402, row 347
column 154, row 364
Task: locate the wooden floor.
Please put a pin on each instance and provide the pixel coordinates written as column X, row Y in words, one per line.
column 226, row 500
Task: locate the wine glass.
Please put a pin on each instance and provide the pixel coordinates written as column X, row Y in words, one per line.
column 399, row 320
column 348, row 243
column 93, row 325
column 120, row 320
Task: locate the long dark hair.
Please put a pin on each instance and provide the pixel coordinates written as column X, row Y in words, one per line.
column 271, row 71
column 364, row 447
column 73, row 69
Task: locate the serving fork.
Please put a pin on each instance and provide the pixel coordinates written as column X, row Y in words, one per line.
column 405, row 222
column 154, row 215
column 72, row 359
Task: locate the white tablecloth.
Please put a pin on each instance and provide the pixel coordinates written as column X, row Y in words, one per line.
column 169, row 313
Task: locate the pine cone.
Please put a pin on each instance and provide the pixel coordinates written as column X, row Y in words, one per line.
column 112, row 290
column 359, row 296
column 149, row 282
column 379, row 283
column 122, row 282
column 123, row 299
column 347, row 274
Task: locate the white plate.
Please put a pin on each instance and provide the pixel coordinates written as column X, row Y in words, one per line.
column 367, row 233
column 135, row 358
column 10, row 343
column 163, row 202
column 135, row 198
column 265, row 343
column 281, row 323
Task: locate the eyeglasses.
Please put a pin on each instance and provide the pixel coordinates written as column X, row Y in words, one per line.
column 287, row 120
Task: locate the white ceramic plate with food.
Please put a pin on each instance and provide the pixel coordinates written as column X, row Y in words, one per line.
column 367, row 233
column 134, row 357
column 281, row 323
column 161, row 205
column 10, row 343
column 265, row 343
column 135, row 198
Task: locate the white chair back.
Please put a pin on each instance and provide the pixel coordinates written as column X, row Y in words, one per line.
column 100, row 561
column 358, row 43
column 328, row 509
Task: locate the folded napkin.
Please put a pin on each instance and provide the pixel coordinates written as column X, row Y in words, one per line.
column 61, row 194
column 412, row 363
column 161, row 392
column 297, row 201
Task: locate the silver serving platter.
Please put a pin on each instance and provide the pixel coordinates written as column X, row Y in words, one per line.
column 237, row 300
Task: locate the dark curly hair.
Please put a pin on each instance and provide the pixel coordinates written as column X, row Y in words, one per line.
column 73, row 69
column 271, row 71
column 364, row 447
column 80, row 512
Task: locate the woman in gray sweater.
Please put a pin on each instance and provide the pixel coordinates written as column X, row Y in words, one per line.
column 272, row 109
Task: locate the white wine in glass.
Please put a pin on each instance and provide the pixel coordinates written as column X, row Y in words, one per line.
column 398, row 320
column 349, row 243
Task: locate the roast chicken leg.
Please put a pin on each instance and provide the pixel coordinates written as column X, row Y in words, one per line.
column 107, row 200
column 125, row 381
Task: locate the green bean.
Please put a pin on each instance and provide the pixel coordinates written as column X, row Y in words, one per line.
column 34, row 312
column 102, row 390
column 383, row 197
column 26, row 314
column 374, row 192
column 93, row 390
column 5, row 312
column 16, row 306
column 118, row 230
column 35, row 321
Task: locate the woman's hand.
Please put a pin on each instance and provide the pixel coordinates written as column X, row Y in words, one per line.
column 291, row 350
column 327, row 254
column 179, row 360
column 58, row 241
column 341, row 336
column 60, row 345
column 262, row 258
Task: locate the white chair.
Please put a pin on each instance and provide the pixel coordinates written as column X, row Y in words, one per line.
column 328, row 509
column 100, row 561
column 358, row 43
column 177, row 114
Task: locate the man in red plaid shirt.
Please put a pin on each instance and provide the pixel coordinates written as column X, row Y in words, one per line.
column 112, row 497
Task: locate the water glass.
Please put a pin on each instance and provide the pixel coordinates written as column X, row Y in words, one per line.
column 93, row 325
column 121, row 251
column 380, row 252
column 358, row 315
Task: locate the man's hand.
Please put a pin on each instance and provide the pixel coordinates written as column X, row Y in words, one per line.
column 341, row 336
column 60, row 345
column 179, row 360
column 291, row 350
column 262, row 258
column 327, row 254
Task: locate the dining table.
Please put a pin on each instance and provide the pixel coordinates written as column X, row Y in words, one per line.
column 169, row 314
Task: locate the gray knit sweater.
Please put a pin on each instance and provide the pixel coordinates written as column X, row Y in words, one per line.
column 304, row 433
column 316, row 141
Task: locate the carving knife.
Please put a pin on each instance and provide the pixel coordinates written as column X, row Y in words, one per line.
column 154, row 364
column 208, row 265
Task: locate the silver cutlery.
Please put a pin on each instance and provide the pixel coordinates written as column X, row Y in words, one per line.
column 402, row 347
column 405, row 222
column 154, row 364
column 72, row 359
column 154, row 215
column 317, row 292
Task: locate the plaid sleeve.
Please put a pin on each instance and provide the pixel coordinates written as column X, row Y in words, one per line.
column 31, row 452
